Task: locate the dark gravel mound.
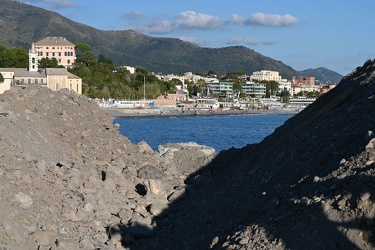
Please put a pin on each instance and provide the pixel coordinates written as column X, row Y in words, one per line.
column 309, row 185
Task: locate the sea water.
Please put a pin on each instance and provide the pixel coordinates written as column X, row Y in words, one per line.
column 220, row 132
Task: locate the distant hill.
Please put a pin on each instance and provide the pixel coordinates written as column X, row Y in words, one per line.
column 22, row 24
column 322, row 74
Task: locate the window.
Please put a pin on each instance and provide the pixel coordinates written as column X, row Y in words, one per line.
column 47, row 54
column 70, row 86
column 29, row 81
column 60, row 54
column 57, row 87
column 53, row 54
column 33, row 60
column 68, row 61
column 36, row 81
column 53, row 47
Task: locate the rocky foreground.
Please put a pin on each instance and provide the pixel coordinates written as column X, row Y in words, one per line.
column 70, row 180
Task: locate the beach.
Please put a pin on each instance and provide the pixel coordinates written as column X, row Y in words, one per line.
column 170, row 112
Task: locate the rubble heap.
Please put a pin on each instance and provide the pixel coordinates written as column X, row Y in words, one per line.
column 70, row 180
column 309, row 185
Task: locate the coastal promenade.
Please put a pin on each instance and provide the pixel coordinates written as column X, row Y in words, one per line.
column 170, row 112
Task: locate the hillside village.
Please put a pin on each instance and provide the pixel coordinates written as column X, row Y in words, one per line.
column 215, row 93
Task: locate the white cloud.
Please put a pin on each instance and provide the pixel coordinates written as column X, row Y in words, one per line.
column 133, row 15
column 235, row 18
column 157, row 27
column 269, row 42
column 60, row 4
column 193, row 20
column 194, row 40
column 262, row 19
column 248, row 41
column 238, row 40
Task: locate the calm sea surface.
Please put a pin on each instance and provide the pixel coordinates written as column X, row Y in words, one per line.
column 219, row 132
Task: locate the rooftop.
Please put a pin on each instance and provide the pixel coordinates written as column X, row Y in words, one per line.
column 61, row 41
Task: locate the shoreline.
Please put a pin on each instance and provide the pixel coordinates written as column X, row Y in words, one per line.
column 169, row 112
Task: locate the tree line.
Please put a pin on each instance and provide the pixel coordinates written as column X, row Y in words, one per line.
column 102, row 79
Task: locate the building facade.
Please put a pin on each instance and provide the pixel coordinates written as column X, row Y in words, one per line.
column 56, row 47
column 304, row 80
column 285, row 85
column 219, row 88
column 265, row 75
column 52, row 78
column 254, row 89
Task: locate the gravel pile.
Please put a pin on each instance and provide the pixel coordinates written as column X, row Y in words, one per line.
column 70, row 180
column 309, row 185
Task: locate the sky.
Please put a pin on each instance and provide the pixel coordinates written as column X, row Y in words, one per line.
column 303, row 34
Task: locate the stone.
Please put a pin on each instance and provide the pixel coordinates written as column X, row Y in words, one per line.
column 177, row 195
column 365, row 195
column 150, row 171
column 47, row 238
column 158, row 209
column 305, row 201
column 316, row 179
column 24, row 200
column 141, row 230
column 155, row 187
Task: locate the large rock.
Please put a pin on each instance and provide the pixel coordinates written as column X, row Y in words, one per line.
column 187, row 158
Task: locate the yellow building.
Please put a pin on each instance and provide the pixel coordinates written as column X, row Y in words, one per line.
column 52, row 78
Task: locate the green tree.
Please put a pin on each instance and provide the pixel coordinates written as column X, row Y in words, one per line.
column 103, row 59
column 49, row 63
column 1, row 78
column 13, row 58
column 271, row 87
column 88, row 58
column 285, row 95
column 83, row 47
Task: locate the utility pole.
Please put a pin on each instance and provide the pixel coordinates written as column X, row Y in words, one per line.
column 144, row 87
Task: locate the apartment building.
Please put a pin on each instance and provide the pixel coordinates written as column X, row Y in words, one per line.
column 265, row 75
column 219, row 88
column 56, row 47
column 304, row 80
column 254, row 89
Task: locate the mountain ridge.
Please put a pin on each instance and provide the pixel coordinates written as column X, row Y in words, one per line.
column 23, row 24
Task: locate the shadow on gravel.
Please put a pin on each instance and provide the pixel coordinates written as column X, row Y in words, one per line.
column 235, row 199
column 294, row 184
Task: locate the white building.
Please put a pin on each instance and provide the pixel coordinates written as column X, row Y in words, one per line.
column 217, row 88
column 254, row 89
column 130, row 69
column 266, row 75
column 285, row 85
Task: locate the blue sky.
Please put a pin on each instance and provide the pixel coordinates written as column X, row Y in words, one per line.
column 303, row 34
